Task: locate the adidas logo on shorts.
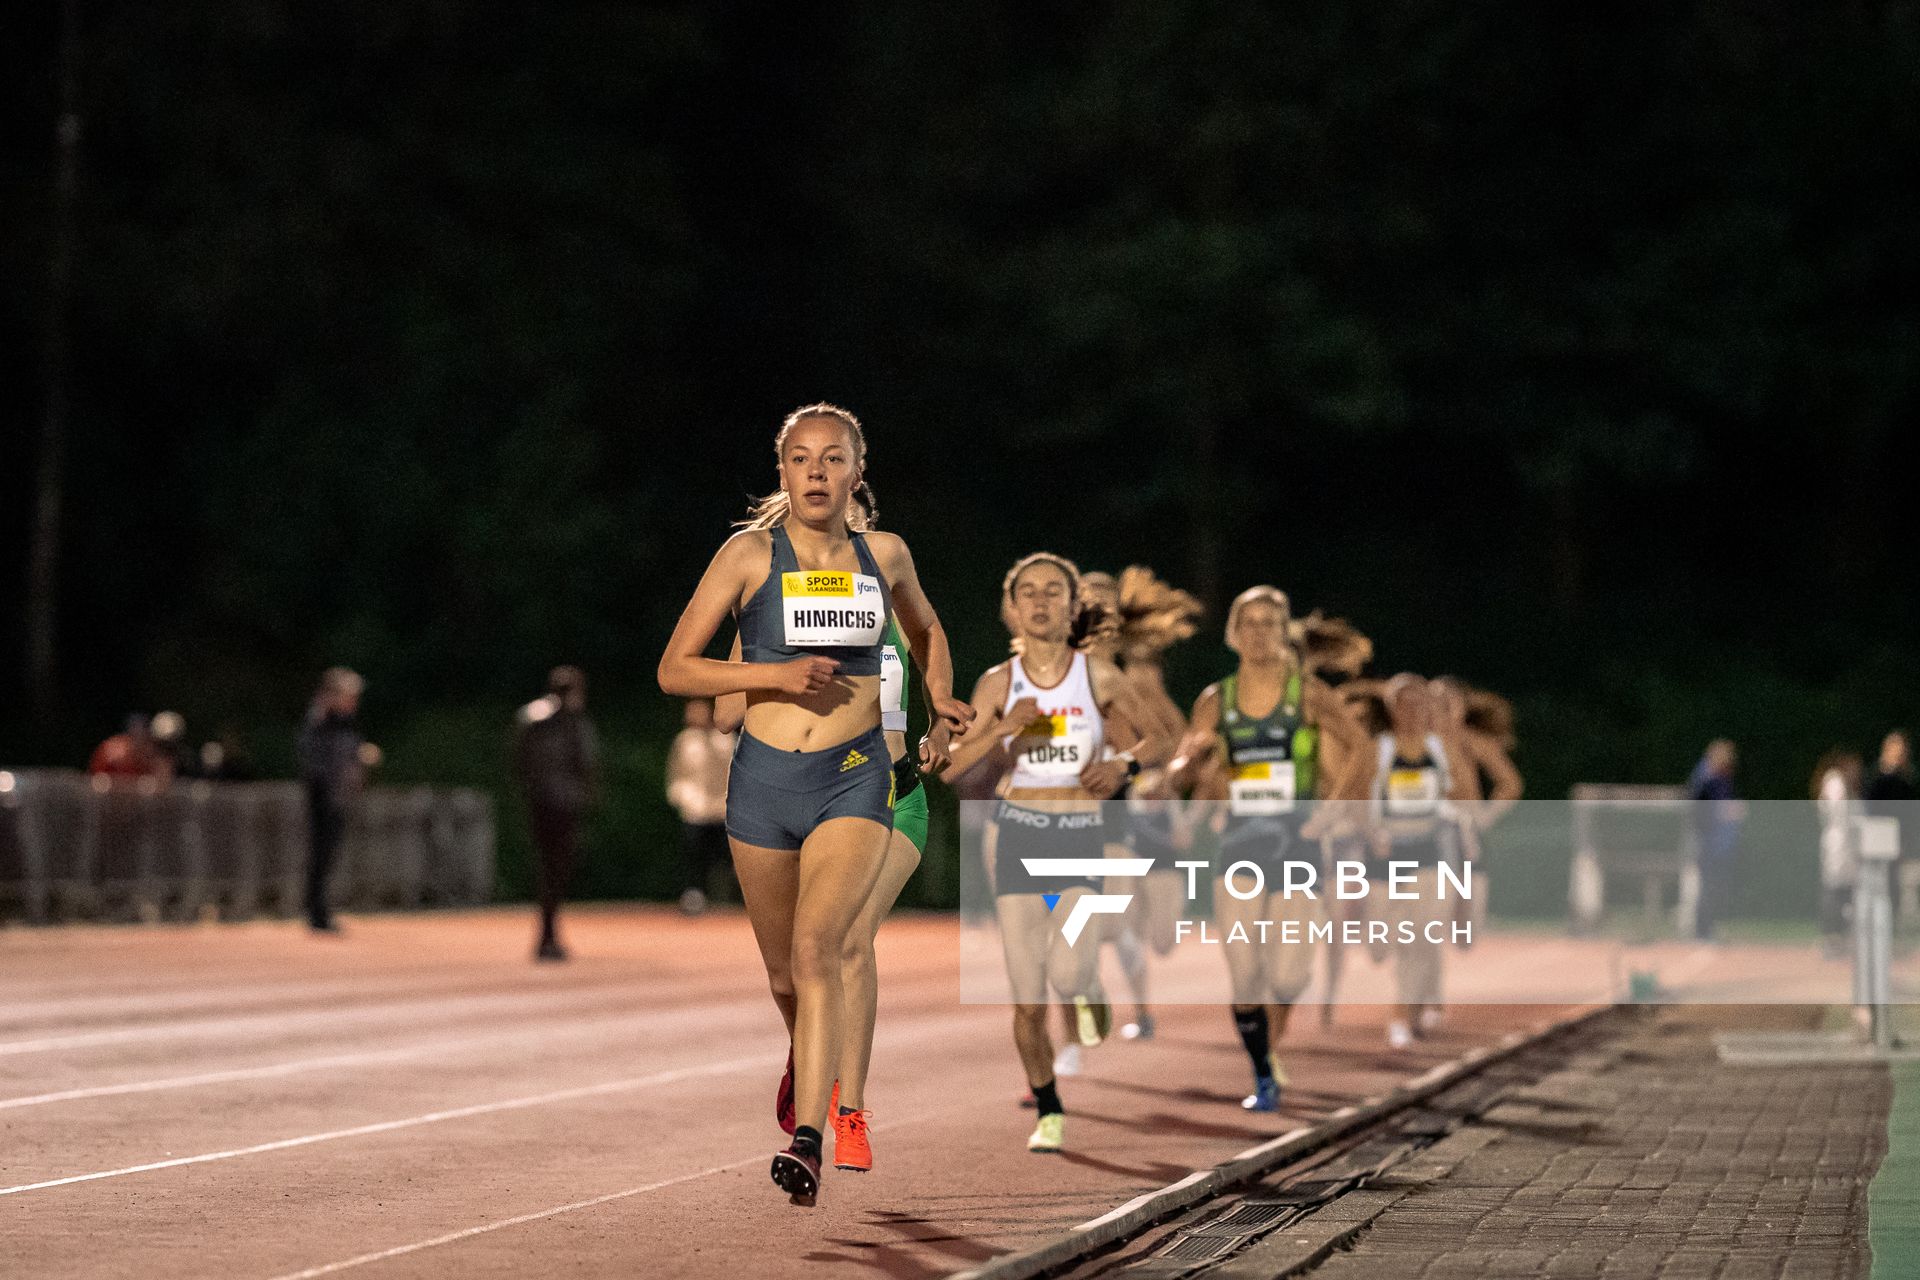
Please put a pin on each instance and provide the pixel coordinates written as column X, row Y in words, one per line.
column 853, row 761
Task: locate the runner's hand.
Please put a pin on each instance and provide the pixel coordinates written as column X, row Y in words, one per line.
column 1195, row 749
column 934, row 755
column 956, row 714
column 805, row 675
column 1019, row 716
column 1103, row 778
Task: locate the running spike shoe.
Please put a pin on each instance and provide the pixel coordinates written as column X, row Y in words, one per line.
column 797, row 1174
column 1048, row 1135
column 850, row 1147
column 1092, row 1019
column 1265, row 1095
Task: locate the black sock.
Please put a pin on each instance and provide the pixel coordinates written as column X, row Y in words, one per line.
column 847, row 1111
column 1252, row 1026
column 1047, row 1099
column 806, row 1141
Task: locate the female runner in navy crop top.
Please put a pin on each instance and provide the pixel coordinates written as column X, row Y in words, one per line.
column 809, row 800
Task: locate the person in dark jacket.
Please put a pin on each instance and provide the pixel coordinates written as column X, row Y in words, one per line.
column 334, row 759
column 1890, row 793
column 1718, row 816
column 556, row 761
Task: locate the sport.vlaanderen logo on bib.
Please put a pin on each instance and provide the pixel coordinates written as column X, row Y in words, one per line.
column 831, row 609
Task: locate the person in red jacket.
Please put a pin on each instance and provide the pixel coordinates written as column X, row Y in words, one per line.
column 130, row 754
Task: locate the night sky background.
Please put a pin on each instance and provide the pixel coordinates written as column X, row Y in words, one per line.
column 1576, row 352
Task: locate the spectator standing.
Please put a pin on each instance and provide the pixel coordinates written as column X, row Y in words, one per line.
column 556, row 762
column 1836, row 791
column 226, row 758
column 131, row 753
column 697, row 789
column 334, row 759
column 170, row 741
column 1718, row 816
column 1891, row 794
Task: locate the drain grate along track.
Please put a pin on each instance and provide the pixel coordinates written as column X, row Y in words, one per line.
column 1366, row 1157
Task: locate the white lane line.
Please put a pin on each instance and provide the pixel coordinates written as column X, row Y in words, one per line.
column 632, row 1022
column 275, row 1022
column 409, row 1122
column 329, row 1268
column 599, row 1024
column 208, row 997
column 228, row 1077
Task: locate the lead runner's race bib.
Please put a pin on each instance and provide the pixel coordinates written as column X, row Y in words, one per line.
column 1261, row 789
column 831, row 609
column 1413, row 792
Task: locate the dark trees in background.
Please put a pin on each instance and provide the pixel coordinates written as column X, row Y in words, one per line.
column 445, row 343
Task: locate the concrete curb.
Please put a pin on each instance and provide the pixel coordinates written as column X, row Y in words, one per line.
column 1203, row 1184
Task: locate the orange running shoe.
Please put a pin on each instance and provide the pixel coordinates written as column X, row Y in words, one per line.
column 850, row 1148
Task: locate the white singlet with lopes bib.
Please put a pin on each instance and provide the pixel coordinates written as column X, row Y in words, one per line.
column 1068, row 736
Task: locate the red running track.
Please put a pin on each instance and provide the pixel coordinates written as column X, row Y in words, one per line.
column 417, row 1099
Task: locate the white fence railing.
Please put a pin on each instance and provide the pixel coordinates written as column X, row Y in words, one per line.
column 79, row 847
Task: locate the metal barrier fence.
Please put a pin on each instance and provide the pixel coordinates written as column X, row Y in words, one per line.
column 79, row 847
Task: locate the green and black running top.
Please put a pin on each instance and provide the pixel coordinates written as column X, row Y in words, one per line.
column 896, row 672
column 1270, row 759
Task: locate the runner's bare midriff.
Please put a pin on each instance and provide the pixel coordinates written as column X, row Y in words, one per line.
column 843, row 710
column 1052, row 799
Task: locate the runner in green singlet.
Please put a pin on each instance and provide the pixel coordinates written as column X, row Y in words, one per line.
column 1263, row 726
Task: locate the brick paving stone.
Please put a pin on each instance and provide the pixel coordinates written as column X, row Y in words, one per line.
column 1645, row 1156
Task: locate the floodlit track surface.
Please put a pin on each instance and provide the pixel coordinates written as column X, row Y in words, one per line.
column 417, row 1099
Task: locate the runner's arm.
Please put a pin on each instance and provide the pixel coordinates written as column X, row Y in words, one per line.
column 1201, row 743
column 921, row 628
column 1343, row 804
column 1152, row 746
column 730, row 709
column 989, row 729
column 1508, row 786
column 685, row 673
column 1334, row 718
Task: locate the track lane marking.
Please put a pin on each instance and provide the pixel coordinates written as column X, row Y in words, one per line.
column 910, row 1029
column 452, row 1237
column 272, row 1022
column 631, row 1022
column 410, row 1122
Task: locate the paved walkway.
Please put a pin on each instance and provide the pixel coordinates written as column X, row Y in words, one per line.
column 1639, row 1154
